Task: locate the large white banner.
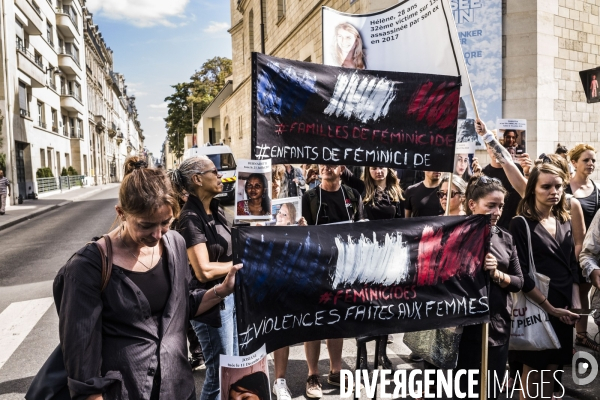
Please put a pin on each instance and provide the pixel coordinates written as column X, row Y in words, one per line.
column 414, row 36
column 421, row 36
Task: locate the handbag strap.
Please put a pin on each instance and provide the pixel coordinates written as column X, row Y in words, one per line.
column 532, row 269
column 106, row 262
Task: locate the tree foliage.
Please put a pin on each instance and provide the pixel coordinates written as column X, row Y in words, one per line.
column 205, row 84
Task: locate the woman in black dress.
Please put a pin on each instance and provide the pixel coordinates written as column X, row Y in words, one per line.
column 545, row 210
column 382, row 199
column 485, row 195
column 583, row 159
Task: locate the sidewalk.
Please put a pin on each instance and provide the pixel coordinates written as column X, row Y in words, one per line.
column 32, row 208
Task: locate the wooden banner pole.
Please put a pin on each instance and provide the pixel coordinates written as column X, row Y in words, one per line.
column 449, row 192
column 483, row 373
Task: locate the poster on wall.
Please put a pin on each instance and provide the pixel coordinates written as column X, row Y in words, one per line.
column 253, row 190
column 318, row 114
column 371, row 278
column 394, row 40
column 241, row 377
column 512, row 133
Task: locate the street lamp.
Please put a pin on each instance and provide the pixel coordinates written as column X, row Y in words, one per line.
column 184, row 108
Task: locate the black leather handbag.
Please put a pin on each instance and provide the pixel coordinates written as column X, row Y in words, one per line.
column 50, row 383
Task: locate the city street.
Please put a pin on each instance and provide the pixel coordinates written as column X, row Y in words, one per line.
column 32, row 252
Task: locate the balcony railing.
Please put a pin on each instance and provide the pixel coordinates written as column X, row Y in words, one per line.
column 23, row 113
column 71, row 16
column 72, row 93
column 69, row 52
column 36, row 59
column 55, row 129
column 42, row 124
column 36, row 8
column 52, row 85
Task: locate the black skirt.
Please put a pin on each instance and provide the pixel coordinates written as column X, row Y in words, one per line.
column 541, row 359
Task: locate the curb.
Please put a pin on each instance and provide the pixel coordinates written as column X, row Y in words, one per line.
column 33, row 215
column 45, row 210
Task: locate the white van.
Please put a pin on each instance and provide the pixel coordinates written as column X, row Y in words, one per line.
column 223, row 159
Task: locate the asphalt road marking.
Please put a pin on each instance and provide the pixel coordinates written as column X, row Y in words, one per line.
column 16, row 321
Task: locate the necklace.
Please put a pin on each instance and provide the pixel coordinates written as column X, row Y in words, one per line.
column 134, row 256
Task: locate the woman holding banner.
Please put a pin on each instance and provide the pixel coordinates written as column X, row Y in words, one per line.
column 544, row 208
column 207, row 236
column 485, row 195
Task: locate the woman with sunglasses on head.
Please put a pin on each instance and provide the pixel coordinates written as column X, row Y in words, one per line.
column 457, row 194
column 382, row 199
column 544, row 208
column 258, row 201
column 207, row 236
column 485, row 195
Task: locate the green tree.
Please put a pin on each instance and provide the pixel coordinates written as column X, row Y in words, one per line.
column 205, row 84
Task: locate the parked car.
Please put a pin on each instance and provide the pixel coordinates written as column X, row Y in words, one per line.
column 223, row 159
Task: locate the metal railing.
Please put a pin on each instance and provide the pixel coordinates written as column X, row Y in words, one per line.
column 23, row 113
column 68, row 182
column 52, row 84
column 42, row 124
column 55, row 129
column 72, row 93
column 47, row 184
column 72, row 17
column 68, row 52
column 36, row 7
column 36, row 59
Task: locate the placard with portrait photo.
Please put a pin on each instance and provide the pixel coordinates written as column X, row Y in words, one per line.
column 512, row 133
column 253, row 191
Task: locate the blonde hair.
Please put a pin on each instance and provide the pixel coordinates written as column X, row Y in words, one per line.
column 359, row 56
column 578, row 150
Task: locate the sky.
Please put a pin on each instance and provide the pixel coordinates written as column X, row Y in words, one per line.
column 159, row 43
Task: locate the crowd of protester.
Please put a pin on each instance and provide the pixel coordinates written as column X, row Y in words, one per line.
column 170, row 282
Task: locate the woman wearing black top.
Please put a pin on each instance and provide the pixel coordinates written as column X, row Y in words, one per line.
column 128, row 341
column 583, row 159
column 382, row 199
column 545, row 210
column 203, row 225
column 485, row 195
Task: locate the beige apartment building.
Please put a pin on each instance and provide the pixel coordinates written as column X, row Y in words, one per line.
column 545, row 45
column 53, row 63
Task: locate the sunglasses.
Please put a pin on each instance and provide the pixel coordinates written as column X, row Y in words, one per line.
column 213, row 171
column 441, row 194
column 486, row 180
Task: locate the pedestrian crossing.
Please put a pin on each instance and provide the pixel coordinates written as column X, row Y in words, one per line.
column 16, row 321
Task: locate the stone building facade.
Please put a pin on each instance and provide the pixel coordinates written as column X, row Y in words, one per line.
column 49, row 58
column 545, row 45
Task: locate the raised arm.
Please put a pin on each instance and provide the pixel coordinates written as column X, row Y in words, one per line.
column 503, row 157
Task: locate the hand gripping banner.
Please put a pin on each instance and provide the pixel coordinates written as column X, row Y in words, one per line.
column 311, row 113
column 369, row 278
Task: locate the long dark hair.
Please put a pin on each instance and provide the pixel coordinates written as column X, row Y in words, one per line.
column 265, row 203
column 255, row 383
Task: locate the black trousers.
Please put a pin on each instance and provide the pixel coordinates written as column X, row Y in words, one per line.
column 469, row 357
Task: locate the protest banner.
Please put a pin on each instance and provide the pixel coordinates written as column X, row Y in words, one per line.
column 426, row 36
column 311, row 113
column 240, row 376
column 253, row 193
column 370, row 278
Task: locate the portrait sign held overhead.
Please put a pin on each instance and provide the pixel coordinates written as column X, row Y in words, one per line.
column 371, row 278
column 512, row 133
column 253, row 192
column 245, row 377
column 318, row 114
